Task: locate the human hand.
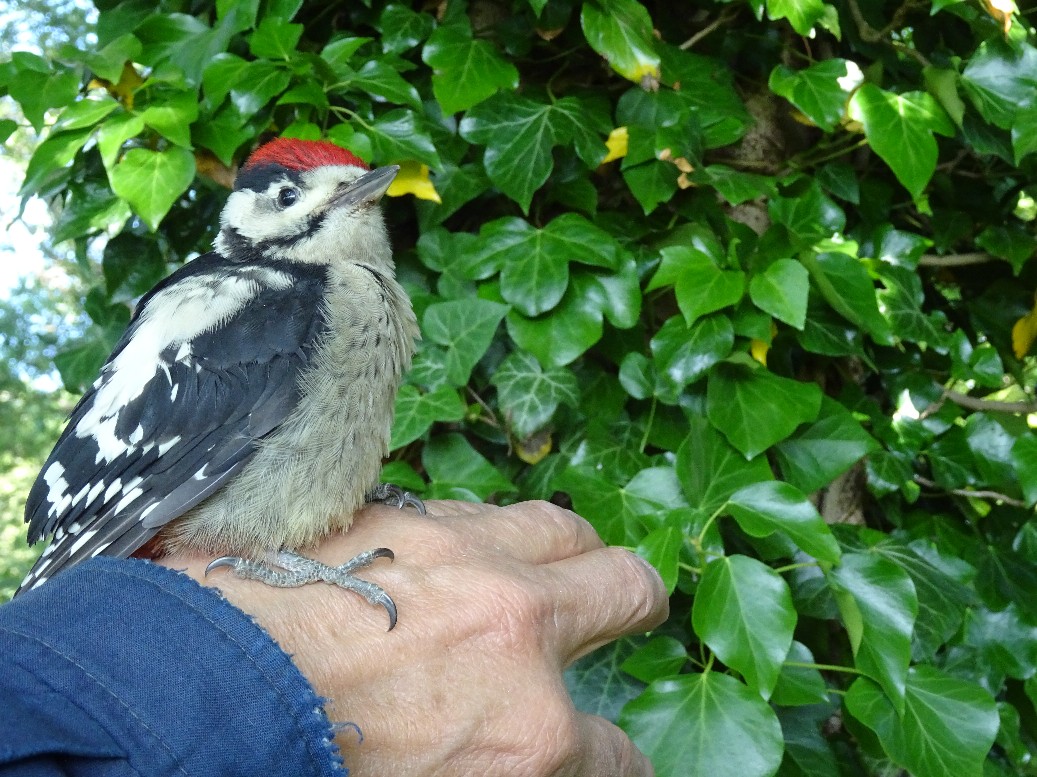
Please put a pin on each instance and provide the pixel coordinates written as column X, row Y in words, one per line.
column 494, row 603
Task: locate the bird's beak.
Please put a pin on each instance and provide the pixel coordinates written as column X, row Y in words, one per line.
column 366, row 189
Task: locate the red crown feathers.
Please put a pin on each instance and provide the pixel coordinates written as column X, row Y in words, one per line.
column 298, row 154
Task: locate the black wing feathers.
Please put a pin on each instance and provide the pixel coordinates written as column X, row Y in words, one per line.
column 192, row 425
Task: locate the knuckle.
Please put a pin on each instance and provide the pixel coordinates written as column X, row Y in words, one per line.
column 568, row 530
column 646, row 590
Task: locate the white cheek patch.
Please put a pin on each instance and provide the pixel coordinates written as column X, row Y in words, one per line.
column 256, row 217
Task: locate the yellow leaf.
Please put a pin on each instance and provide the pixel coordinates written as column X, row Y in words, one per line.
column 618, row 142
column 533, row 449
column 413, row 179
column 1002, row 11
column 1024, row 332
column 758, row 350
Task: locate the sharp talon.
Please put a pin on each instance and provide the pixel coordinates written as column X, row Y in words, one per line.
column 222, row 561
column 383, row 553
column 394, row 496
column 390, row 607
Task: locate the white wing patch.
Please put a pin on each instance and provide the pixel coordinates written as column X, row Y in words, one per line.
column 57, row 488
column 172, row 319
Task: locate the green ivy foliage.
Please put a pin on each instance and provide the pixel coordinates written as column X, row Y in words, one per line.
column 747, row 284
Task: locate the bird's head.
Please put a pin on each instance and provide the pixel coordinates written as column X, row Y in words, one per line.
column 306, row 201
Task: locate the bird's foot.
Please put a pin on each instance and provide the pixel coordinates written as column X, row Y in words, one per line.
column 290, row 570
column 394, row 496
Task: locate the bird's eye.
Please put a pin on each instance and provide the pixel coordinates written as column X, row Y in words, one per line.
column 287, row 196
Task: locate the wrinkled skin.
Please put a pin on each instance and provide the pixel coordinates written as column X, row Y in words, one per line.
column 494, row 603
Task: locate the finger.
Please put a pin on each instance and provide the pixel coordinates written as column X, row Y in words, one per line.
column 602, row 596
column 608, row 751
column 534, row 532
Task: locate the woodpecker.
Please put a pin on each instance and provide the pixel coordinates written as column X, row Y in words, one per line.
column 245, row 412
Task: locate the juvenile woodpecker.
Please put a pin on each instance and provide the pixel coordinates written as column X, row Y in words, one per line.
column 245, row 412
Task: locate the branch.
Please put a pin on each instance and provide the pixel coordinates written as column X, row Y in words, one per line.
column 955, row 260
column 212, row 168
column 725, row 16
column 991, row 405
column 996, row 496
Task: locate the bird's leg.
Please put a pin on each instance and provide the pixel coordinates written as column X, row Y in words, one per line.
column 290, row 570
column 394, row 496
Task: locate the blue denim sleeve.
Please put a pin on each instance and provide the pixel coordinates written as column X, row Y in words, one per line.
column 123, row 667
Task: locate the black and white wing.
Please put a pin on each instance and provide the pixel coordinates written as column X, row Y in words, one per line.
column 209, row 365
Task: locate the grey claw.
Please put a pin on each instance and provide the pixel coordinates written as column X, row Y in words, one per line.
column 394, row 496
column 222, row 561
column 390, row 607
column 383, row 553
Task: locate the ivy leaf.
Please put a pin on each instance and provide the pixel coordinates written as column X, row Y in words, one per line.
column 571, row 328
column 818, row 91
column 256, row 85
column 220, row 76
column 1000, row 80
column 151, row 181
column 1011, row 242
column 530, row 395
column 661, row 656
column 763, row 508
column 416, row 412
column 457, row 471
column 878, row 604
column 947, row 727
column 403, row 28
column 737, row 186
column 597, row 684
column 802, row 14
column 85, row 113
column 684, row 354
column 534, row 263
column 782, row 290
column 710, row 470
column 398, row 135
column 743, row 610
column 622, row 515
column 381, row 79
column 621, row 32
column 700, row 285
column 799, row 685
column 50, row 160
column 584, row 123
column 662, row 549
column 704, row 725
column 38, row 88
column 465, row 71
column 651, row 183
column 942, row 600
column 902, row 304
column 108, row 63
column 808, row 214
column 518, row 134
column 847, row 287
column 1024, row 458
column 172, row 118
column 465, row 328
column 816, row 455
column 900, row 127
column 755, row 408
column 275, row 38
